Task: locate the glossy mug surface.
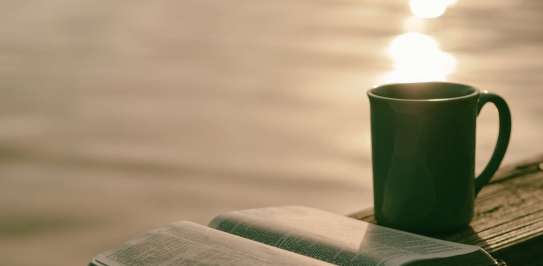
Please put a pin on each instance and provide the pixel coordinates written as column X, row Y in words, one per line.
column 423, row 153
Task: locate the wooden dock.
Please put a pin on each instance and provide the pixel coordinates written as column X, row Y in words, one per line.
column 508, row 219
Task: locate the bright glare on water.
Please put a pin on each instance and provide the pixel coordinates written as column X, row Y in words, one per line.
column 429, row 8
column 418, row 57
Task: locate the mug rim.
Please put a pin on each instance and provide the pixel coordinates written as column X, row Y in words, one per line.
column 372, row 92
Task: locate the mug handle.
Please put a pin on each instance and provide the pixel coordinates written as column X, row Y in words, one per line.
column 503, row 137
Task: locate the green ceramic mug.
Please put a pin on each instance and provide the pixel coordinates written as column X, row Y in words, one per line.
column 423, row 151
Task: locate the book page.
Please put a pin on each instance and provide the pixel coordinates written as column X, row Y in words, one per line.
column 186, row 243
column 342, row 240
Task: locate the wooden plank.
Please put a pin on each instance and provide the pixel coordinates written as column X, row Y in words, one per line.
column 508, row 219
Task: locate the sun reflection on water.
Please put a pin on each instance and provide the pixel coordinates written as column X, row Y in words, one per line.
column 418, row 57
column 429, row 8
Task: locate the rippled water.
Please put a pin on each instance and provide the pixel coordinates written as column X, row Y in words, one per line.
column 117, row 117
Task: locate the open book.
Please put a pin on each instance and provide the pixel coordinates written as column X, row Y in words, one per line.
column 290, row 235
